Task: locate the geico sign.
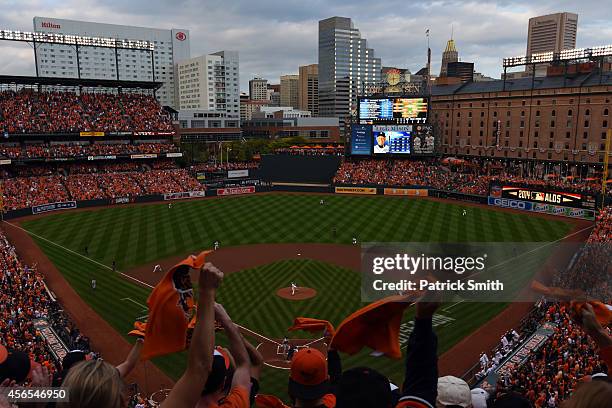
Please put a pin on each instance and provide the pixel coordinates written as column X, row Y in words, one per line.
column 504, row 202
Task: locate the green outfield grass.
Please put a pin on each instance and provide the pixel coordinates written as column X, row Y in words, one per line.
column 135, row 235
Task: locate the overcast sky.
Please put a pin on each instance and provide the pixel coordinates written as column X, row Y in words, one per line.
column 274, row 37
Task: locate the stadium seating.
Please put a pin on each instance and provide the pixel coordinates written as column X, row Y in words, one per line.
column 472, row 178
column 27, row 111
column 89, row 182
column 24, row 297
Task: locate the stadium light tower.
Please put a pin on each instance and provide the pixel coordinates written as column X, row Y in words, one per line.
column 77, row 41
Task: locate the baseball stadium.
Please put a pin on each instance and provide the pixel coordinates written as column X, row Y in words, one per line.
column 238, row 267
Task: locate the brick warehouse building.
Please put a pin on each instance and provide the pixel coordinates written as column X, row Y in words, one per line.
column 548, row 118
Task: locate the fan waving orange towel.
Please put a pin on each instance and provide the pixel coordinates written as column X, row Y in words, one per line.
column 171, row 308
column 312, row 325
column 375, row 326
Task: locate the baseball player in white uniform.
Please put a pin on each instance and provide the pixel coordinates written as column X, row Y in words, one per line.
column 216, row 245
column 294, row 288
column 157, row 268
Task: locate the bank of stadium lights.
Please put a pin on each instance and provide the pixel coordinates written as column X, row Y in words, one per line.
column 565, row 55
column 68, row 39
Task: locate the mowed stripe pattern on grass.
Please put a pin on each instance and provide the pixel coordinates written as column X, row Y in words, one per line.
column 137, row 234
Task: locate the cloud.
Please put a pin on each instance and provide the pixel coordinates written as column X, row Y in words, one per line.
column 274, row 37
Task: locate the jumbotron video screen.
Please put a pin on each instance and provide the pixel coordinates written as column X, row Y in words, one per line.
column 393, row 110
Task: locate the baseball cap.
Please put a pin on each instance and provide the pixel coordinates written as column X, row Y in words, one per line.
column 479, row 398
column 219, row 371
column 512, row 400
column 363, row 387
column 308, row 378
column 14, row 365
column 454, row 391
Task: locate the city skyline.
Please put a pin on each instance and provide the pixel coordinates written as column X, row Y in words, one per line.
column 485, row 33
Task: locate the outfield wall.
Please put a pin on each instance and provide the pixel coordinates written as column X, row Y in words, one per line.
column 412, row 191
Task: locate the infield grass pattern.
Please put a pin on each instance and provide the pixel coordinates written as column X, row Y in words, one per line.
column 134, row 235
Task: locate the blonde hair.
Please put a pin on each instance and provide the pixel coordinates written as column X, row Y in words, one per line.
column 93, row 384
column 594, row 394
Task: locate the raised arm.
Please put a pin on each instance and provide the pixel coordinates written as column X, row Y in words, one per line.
column 257, row 361
column 242, row 374
column 421, row 379
column 132, row 359
column 188, row 388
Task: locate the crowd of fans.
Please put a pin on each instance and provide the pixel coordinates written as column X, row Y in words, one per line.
column 26, row 111
column 411, row 173
column 311, row 151
column 23, row 298
column 89, row 182
column 217, row 167
column 469, row 178
column 570, row 370
column 64, row 150
column 552, row 373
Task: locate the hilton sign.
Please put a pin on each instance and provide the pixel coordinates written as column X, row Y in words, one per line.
column 46, row 24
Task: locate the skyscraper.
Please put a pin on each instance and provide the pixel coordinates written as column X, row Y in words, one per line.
column 289, row 90
column 450, row 54
column 345, row 63
column 308, row 89
column 258, row 89
column 552, row 32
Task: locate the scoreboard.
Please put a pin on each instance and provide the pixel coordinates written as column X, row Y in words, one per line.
column 393, row 111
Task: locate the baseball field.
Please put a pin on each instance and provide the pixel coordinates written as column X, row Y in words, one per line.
column 84, row 244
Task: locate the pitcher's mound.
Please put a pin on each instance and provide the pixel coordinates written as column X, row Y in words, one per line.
column 301, row 293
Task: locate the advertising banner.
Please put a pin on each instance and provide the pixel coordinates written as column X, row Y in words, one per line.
column 562, row 198
column 91, row 134
column 121, row 200
column 177, row 154
column 107, row 157
column 235, row 190
column 508, row 203
column 407, row 191
column 184, row 194
column 143, row 156
column 543, row 208
column 55, row 345
column 54, row 207
column 3, row 162
column 237, row 173
column 148, row 133
column 356, row 190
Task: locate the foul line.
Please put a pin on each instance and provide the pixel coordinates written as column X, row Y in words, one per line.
column 117, row 271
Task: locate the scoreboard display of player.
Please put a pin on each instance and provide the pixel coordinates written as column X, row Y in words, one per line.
column 393, row 111
column 546, row 197
column 392, row 139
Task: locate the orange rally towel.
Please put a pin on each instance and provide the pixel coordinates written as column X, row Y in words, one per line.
column 268, row 401
column 140, row 329
column 603, row 312
column 171, row 308
column 312, row 325
column 375, row 326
